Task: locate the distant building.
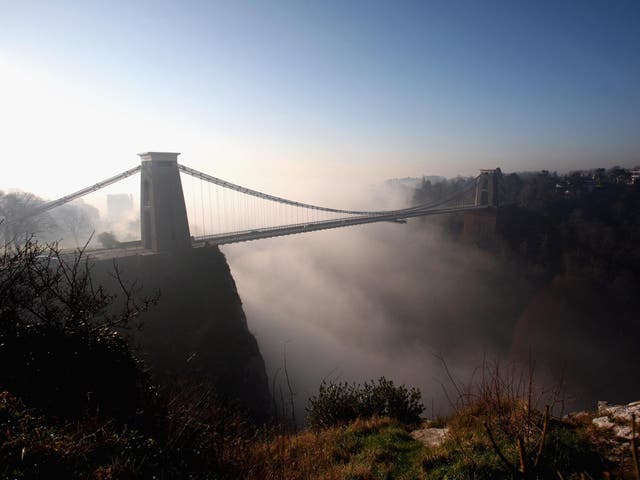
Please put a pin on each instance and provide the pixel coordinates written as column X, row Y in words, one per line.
column 119, row 205
column 635, row 175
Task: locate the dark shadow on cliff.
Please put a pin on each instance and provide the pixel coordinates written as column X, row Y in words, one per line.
column 198, row 328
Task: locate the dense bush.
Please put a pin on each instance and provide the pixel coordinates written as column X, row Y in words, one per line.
column 33, row 447
column 75, row 402
column 194, row 436
column 61, row 347
column 339, row 403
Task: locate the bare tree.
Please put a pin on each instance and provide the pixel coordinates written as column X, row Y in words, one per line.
column 76, row 219
column 61, row 336
column 17, row 224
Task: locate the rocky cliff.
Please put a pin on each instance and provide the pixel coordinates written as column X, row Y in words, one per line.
column 198, row 326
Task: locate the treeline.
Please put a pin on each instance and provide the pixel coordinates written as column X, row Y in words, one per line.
column 575, row 240
column 71, row 224
column 582, row 223
column 576, row 225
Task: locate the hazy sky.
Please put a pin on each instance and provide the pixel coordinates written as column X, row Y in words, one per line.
column 266, row 93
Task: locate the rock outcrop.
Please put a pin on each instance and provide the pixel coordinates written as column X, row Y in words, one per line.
column 618, row 418
column 430, row 436
column 198, row 326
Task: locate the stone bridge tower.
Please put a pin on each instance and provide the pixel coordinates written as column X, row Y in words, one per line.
column 480, row 225
column 163, row 215
column 487, row 187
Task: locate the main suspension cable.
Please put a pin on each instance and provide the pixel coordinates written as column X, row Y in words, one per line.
column 266, row 196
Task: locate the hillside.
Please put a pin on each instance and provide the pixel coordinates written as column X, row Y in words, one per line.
column 566, row 251
column 198, row 327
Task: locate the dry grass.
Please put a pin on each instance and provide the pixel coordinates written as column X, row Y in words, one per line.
column 499, row 430
column 375, row 448
column 31, row 446
column 620, row 453
column 370, row 425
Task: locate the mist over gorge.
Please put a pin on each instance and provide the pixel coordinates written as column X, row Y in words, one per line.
column 553, row 287
column 206, row 276
column 376, row 300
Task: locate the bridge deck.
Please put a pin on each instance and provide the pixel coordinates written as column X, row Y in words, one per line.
column 135, row 248
column 258, row 234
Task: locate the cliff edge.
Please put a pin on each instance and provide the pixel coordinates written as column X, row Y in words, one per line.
column 198, row 326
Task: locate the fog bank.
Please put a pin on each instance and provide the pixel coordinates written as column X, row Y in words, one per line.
column 362, row 302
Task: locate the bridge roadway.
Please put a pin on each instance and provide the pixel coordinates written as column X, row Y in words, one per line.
column 260, row 233
column 135, row 247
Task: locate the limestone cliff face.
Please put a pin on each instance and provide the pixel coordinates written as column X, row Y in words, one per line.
column 198, row 326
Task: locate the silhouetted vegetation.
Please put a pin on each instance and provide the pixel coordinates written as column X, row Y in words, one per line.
column 60, row 346
column 341, row 403
column 76, row 401
column 573, row 242
column 505, row 425
column 72, row 222
column 108, row 240
column 582, row 223
column 69, row 224
column 198, row 328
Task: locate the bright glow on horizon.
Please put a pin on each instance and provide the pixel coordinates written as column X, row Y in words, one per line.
column 305, row 99
column 68, row 138
column 65, row 136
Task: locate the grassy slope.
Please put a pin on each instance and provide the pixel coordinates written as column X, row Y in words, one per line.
column 381, row 448
column 377, row 448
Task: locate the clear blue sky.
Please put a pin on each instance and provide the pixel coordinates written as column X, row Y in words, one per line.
column 384, row 88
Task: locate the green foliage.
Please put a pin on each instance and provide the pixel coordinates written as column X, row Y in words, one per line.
column 468, row 453
column 390, row 451
column 374, row 448
column 338, row 403
column 497, row 432
column 569, row 449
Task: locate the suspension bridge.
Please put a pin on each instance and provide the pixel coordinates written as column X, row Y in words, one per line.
column 228, row 213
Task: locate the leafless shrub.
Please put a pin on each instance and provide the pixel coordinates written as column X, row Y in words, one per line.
column 61, row 342
column 505, row 405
